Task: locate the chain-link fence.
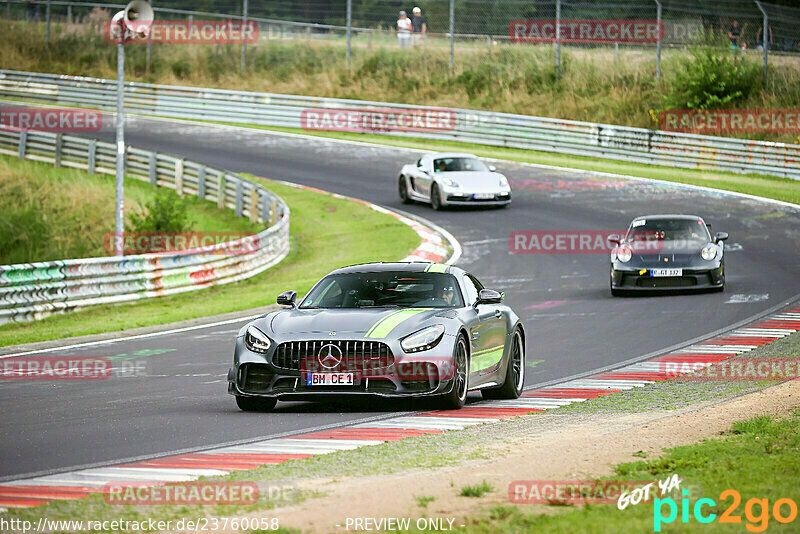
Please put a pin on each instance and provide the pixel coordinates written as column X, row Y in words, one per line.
column 642, row 29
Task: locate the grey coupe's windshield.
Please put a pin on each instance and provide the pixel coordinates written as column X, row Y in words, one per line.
column 668, row 230
column 385, row 290
column 459, row 165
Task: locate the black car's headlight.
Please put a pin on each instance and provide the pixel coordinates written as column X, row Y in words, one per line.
column 256, row 340
column 709, row 252
column 424, row 339
column 624, row 253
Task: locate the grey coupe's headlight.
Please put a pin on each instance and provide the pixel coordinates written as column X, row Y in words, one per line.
column 256, row 340
column 503, row 181
column 624, row 254
column 449, row 182
column 425, row 339
column 709, row 252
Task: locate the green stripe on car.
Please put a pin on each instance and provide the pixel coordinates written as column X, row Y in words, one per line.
column 485, row 359
column 383, row 327
column 436, row 268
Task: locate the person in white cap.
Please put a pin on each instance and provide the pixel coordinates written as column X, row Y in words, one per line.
column 404, row 30
column 419, row 25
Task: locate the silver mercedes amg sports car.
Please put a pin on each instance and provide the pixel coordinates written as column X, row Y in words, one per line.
column 383, row 329
column 453, row 180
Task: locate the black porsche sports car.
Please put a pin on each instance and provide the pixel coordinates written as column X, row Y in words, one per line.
column 661, row 252
column 384, row 329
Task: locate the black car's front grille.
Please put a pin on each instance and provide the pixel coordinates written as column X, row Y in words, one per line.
column 349, row 356
column 667, row 281
column 254, row 377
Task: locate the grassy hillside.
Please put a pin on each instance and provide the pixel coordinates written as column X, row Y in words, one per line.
column 51, row 214
column 595, row 85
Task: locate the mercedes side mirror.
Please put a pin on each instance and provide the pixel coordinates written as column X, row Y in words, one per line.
column 720, row 236
column 492, row 168
column 489, row 296
column 287, row 298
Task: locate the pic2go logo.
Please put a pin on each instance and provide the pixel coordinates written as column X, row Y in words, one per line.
column 756, row 511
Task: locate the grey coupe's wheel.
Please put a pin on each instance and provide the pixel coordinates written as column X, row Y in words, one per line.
column 255, row 404
column 515, row 373
column 402, row 189
column 457, row 397
column 436, row 199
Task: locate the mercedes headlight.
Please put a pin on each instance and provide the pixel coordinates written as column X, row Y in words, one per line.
column 709, row 252
column 624, row 253
column 425, row 339
column 449, row 182
column 256, row 340
column 503, row 181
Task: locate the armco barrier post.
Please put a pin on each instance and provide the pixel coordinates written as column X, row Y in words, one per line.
column 273, row 213
column 239, row 199
column 253, row 205
column 153, row 169
column 59, row 147
column 179, row 177
column 23, row 141
column 221, row 191
column 201, row 183
column 91, row 159
column 265, row 208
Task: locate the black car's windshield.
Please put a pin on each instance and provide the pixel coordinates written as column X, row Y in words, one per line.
column 385, row 289
column 683, row 230
column 458, row 165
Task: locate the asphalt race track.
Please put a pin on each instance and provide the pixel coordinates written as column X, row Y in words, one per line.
column 573, row 323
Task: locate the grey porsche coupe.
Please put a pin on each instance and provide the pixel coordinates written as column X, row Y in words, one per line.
column 382, row 329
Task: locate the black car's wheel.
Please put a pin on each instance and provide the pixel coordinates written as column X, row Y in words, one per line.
column 614, row 292
column 436, row 199
column 255, row 404
column 515, row 373
column 458, row 395
column 402, row 189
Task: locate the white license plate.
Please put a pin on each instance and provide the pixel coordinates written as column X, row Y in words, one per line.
column 329, row 379
column 666, row 272
column 483, row 196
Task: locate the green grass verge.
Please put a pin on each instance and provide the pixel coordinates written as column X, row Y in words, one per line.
column 322, row 230
column 784, row 189
column 759, row 458
column 52, row 214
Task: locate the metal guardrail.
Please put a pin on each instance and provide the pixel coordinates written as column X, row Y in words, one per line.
column 638, row 145
column 31, row 291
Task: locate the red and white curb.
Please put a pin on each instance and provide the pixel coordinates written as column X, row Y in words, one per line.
column 221, row 461
column 437, row 244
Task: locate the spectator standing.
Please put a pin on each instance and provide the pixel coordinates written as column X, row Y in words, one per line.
column 33, row 11
column 733, row 34
column 420, row 27
column 404, row 27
